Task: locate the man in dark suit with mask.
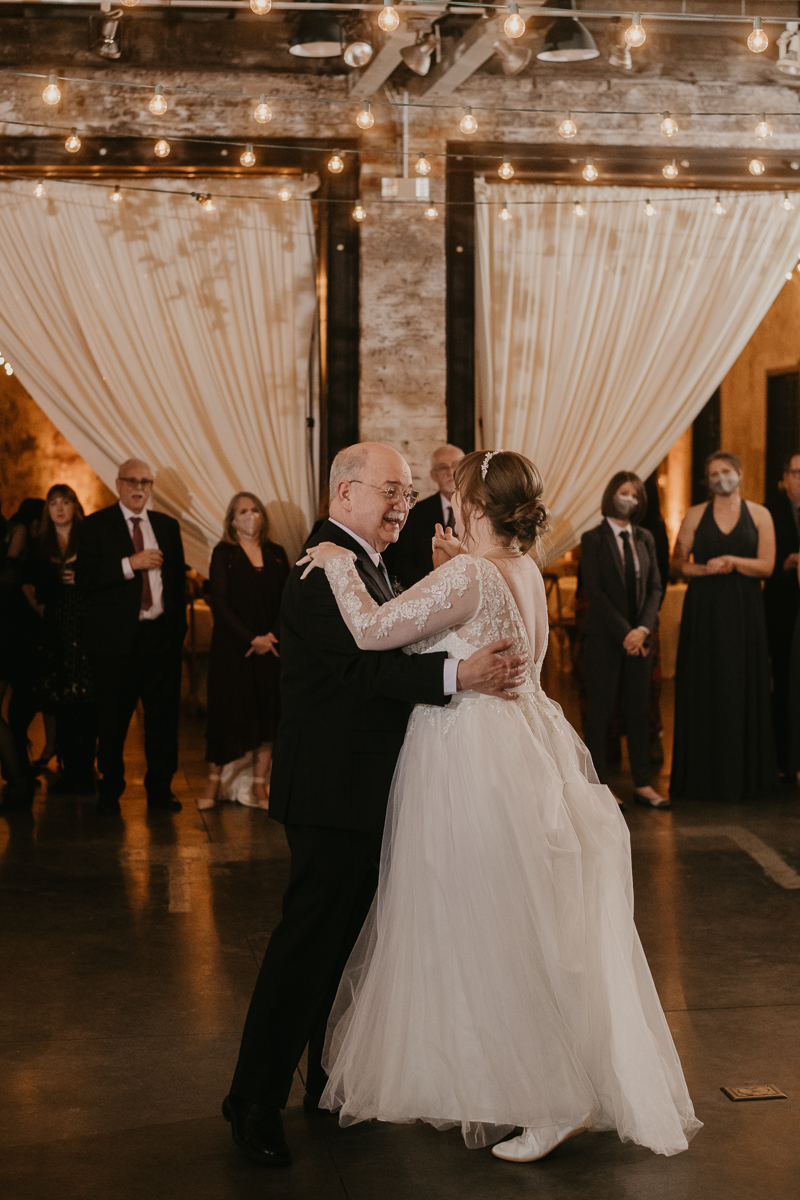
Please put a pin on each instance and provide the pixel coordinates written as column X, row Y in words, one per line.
column 131, row 570
column 411, row 558
column 343, row 720
column 782, row 600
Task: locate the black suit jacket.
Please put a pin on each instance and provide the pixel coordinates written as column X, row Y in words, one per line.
column 781, row 590
column 603, row 580
column 112, row 601
column 411, row 557
column 344, row 711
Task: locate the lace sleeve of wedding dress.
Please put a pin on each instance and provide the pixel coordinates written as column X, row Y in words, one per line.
column 445, row 599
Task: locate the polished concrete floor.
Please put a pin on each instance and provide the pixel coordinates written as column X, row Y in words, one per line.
column 129, row 951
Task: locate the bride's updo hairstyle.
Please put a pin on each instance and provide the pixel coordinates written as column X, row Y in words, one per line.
column 510, row 495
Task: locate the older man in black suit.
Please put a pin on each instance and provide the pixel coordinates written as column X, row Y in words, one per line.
column 411, row 557
column 782, row 601
column 131, row 568
column 343, row 719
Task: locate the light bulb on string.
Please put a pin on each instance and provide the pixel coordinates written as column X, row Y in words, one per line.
column 590, row 171
column 763, row 129
column 358, row 213
column 513, row 26
column 505, row 170
column 567, row 129
column 719, row 208
column 635, row 33
column 208, row 204
column 336, row 163
column 248, row 158
column 756, row 166
column 51, row 94
column 787, row 204
column 431, row 212
column 365, row 119
column 116, row 195
column 161, row 148
column 389, row 18
column 468, row 124
column 650, row 209
column 130, row 3
column 262, row 111
column 670, row 171
column 422, row 166
column 38, row 191
column 504, row 214
column 261, row 7
column 669, row 126
column 758, row 40
column 285, row 194
column 578, row 209
column 73, row 142
column 158, row 105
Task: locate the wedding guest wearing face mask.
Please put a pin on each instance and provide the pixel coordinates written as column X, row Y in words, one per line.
column 620, row 578
column 724, row 747
column 247, row 577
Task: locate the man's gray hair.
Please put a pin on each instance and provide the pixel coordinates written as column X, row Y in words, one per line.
column 348, row 464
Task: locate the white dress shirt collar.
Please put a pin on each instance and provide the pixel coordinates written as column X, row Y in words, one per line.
column 129, row 515
column 371, row 551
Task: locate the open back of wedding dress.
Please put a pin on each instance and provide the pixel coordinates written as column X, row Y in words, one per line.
column 499, row 979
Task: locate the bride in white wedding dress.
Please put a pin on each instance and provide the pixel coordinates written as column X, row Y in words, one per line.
column 499, row 980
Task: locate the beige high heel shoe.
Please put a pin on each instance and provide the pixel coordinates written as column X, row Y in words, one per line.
column 262, row 780
column 205, row 802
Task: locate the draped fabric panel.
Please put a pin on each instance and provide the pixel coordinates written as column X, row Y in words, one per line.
column 599, row 338
column 156, row 330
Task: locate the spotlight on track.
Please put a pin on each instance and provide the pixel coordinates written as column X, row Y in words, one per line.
column 513, row 58
column 418, row 58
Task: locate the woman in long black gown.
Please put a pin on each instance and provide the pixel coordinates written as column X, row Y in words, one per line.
column 247, row 576
column 724, row 747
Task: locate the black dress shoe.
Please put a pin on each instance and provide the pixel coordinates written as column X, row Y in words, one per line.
column 258, row 1132
column 164, row 803
column 107, row 806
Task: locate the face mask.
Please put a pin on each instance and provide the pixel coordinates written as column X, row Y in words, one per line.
column 723, row 485
column 624, row 505
column 248, row 524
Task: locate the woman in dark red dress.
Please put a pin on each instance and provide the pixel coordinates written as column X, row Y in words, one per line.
column 247, row 577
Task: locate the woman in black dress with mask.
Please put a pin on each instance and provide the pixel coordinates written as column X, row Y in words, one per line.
column 724, row 747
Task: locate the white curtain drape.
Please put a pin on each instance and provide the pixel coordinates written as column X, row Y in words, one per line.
column 156, row 330
column 599, row 338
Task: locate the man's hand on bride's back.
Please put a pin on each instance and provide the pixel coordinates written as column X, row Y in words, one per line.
column 492, row 672
column 324, row 553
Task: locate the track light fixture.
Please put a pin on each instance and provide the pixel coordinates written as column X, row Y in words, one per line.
column 789, row 49
column 418, row 57
column 513, row 59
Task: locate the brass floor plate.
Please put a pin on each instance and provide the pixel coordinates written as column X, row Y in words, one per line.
column 758, row 1091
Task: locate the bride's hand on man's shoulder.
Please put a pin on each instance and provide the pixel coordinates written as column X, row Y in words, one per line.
column 321, row 555
column 445, row 546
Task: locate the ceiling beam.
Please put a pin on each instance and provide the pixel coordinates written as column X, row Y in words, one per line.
column 385, row 61
column 464, row 59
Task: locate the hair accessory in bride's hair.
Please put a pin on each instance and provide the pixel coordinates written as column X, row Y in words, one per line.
column 489, row 455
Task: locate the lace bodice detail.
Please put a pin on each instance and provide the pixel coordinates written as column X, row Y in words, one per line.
column 459, row 607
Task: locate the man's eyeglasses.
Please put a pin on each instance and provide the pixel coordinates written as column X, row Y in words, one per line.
column 793, row 471
column 392, row 492
column 135, row 482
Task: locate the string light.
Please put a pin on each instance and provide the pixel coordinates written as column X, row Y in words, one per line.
column 38, row 191
column 284, row 194
column 158, row 105
column 365, row 119
column 578, row 209
column 335, row 163
column 758, row 40
column 788, row 274
column 568, row 128
column 7, row 367
column 635, row 34
column 261, row 7
column 670, row 171
column 130, row 3
column 262, row 111
column 161, row 148
column 208, row 204
column 468, row 124
column 756, row 166
column 358, row 213
column 719, row 208
column 669, row 126
column 590, row 171
column 422, row 166
column 116, row 195
column 514, row 26
column 51, row 94
column 649, row 209
column 504, row 214
column 763, row 129
column 432, row 212
column 505, row 170
column 73, row 142
column 787, row 204
column 248, row 158
column 389, row 18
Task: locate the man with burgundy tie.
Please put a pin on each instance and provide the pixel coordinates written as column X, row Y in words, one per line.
column 131, row 569
column 411, row 557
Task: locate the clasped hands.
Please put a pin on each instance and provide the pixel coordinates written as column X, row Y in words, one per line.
column 634, row 643
column 722, row 565
column 264, row 643
column 146, row 560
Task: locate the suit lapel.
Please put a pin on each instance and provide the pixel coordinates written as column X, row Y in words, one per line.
column 608, row 534
column 372, row 576
column 124, row 531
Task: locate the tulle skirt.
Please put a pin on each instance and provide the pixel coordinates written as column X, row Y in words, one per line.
column 499, row 980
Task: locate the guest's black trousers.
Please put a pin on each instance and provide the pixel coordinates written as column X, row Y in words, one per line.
column 333, row 877
column 151, row 672
column 609, row 668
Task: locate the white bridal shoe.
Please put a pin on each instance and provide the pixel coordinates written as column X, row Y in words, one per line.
column 531, row 1145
